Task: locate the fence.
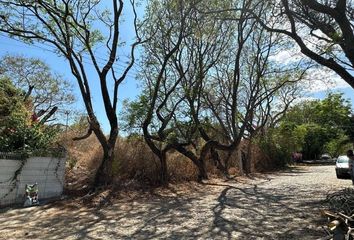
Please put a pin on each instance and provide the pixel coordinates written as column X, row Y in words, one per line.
column 16, row 171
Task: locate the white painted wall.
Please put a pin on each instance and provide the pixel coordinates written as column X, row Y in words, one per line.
column 48, row 172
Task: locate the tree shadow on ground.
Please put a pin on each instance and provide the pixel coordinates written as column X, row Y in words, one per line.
column 217, row 210
column 265, row 213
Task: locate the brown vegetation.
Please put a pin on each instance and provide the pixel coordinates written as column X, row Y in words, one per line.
column 134, row 161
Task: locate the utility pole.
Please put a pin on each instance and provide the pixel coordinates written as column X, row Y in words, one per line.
column 67, row 123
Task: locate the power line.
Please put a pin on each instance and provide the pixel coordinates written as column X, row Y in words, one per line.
column 50, row 46
column 119, row 66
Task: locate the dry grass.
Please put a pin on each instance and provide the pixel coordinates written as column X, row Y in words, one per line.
column 135, row 161
column 83, row 157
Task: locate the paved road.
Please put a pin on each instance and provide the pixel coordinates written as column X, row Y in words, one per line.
column 285, row 205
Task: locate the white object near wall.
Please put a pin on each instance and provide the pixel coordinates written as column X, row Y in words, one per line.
column 48, row 172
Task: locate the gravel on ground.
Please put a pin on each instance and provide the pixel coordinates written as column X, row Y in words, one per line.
column 283, row 205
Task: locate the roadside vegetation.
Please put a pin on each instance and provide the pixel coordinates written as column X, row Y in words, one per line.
column 31, row 99
column 214, row 96
column 224, row 94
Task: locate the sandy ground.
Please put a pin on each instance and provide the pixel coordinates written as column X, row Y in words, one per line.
column 285, row 205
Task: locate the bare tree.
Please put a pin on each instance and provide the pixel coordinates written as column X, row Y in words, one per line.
column 203, row 93
column 323, row 30
column 167, row 26
column 178, row 57
column 242, row 95
column 205, row 48
column 273, row 107
column 73, row 29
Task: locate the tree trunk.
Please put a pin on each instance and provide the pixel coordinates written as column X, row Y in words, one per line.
column 48, row 115
column 163, row 170
column 248, row 160
column 217, row 161
column 240, row 157
column 104, row 173
column 203, row 174
column 227, row 160
column 198, row 162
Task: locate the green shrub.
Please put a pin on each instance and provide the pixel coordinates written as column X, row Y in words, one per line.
column 17, row 129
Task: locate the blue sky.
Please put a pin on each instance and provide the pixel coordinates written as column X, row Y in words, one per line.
column 322, row 87
column 348, row 93
column 129, row 88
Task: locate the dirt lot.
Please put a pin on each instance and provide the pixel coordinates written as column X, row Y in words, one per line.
column 274, row 206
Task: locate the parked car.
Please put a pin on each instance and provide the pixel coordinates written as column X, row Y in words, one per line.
column 342, row 167
column 325, row 157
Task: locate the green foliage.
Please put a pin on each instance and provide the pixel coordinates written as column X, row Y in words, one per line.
column 333, row 111
column 10, row 99
column 34, row 77
column 315, row 139
column 350, row 129
column 338, row 146
column 290, row 136
column 315, row 127
column 17, row 130
column 133, row 114
column 275, row 148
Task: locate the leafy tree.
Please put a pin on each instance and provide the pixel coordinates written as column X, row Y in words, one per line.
column 321, row 125
column 76, row 30
column 315, row 139
column 17, row 128
column 291, row 136
column 48, row 92
column 207, row 83
column 167, row 27
column 10, row 98
column 338, row 145
column 350, row 130
column 247, row 91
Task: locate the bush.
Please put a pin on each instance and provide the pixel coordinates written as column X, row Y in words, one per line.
column 17, row 129
column 279, row 154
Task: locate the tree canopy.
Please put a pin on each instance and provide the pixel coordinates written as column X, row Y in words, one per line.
column 76, row 30
column 318, row 126
column 48, row 92
column 18, row 130
column 323, row 30
column 210, row 74
column 207, row 83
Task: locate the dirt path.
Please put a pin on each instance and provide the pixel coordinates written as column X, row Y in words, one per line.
column 276, row 206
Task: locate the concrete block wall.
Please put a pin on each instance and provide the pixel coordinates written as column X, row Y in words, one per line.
column 48, row 172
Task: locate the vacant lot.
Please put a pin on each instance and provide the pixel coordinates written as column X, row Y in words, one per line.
column 274, row 206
